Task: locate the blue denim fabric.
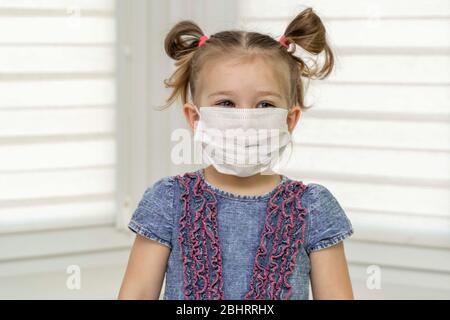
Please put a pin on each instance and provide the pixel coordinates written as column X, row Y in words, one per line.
column 240, row 224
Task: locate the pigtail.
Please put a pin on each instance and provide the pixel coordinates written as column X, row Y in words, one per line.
column 182, row 39
column 180, row 44
column 307, row 31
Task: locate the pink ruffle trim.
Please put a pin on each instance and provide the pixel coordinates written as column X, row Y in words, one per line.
column 275, row 258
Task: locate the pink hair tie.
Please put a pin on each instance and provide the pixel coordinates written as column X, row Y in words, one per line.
column 202, row 40
column 283, row 42
column 289, row 47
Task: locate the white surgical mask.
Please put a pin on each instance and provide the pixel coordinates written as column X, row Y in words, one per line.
column 243, row 141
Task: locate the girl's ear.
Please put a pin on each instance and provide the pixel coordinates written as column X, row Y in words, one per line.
column 191, row 114
column 293, row 117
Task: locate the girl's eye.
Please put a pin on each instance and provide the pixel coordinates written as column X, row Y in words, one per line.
column 225, row 103
column 266, row 104
column 230, row 104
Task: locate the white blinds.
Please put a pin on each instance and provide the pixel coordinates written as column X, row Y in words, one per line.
column 57, row 101
column 379, row 135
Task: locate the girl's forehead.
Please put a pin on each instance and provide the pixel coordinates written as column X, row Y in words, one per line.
column 244, row 73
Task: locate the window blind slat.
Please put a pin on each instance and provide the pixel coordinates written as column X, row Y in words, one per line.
column 57, row 155
column 430, row 169
column 387, row 69
column 360, row 132
column 57, row 183
column 22, row 123
column 57, row 216
column 421, row 231
column 400, row 100
column 54, row 93
column 57, row 30
column 30, row 59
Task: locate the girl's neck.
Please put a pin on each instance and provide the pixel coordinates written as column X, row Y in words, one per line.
column 252, row 186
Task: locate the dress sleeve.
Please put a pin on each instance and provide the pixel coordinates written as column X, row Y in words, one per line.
column 327, row 222
column 154, row 215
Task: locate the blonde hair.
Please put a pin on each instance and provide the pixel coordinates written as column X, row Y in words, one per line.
column 305, row 30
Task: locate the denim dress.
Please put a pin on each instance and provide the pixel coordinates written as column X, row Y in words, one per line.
column 238, row 247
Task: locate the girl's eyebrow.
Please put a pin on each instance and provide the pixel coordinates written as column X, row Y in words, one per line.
column 221, row 93
column 261, row 93
column 269, row 93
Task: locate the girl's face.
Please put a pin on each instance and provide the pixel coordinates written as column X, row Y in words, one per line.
column 249, row 82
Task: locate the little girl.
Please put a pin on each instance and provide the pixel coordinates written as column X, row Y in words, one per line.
column 240, row 231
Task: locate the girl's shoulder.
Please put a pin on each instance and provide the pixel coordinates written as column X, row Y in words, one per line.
column 317, row 194
column 160, row 194
column 153, row 217
column 163, row 188
column 313, row 193
column 327, row 221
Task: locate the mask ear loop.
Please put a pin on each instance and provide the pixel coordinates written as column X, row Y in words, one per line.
column 280, row 163
column 199, row 116
column 197, row 146
column 197, row 109
column 291, row 147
